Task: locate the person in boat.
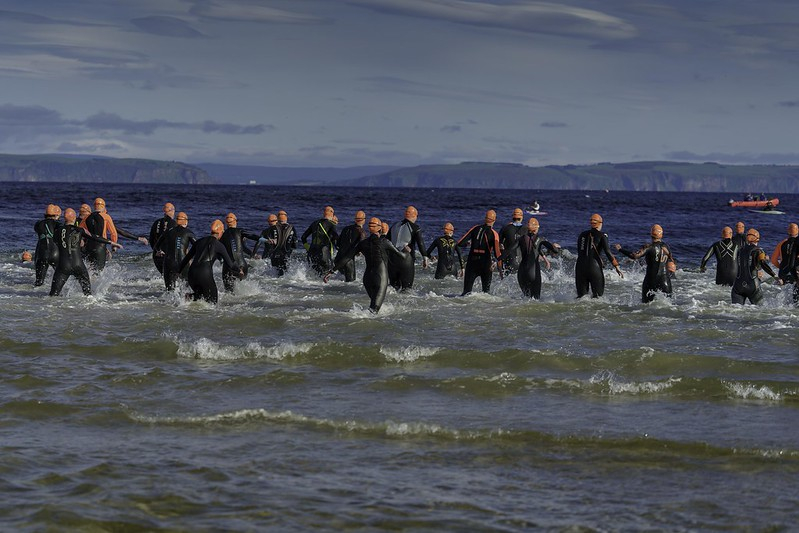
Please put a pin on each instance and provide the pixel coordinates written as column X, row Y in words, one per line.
column 484, row 253
column 376, row 251
column 349, row 237
column 740, row 234
column 70, row 260
column 751, row 260
column 406, row 236
column 509, row 241
column 200, row 260
column 726, row 253
column 323, row 241
column 46, row 248
column 660, row 265
column 786, row 258
column 173, row 246
column 531, row 247
column 588, row 272
column 159, row 227
column 534, row 207
column 449, row 262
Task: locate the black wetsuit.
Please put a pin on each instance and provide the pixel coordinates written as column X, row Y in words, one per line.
column 279, row 241
column 726, row 254
column 376, row 252
column 323, row 241
column 509, row 243
column 159, row 227
column 448, row 264
column 95, row 251
column 484, row 242
column 740, row 240
column 233, row 241
column 789, row 252
column 657, row 278
column 401, row 269
column 529, row 269
column 70, row 262
column 349, row 237
column 747, row 283
column 204, row 253
column 588, row 274
column 174, row 244
column 46, row 253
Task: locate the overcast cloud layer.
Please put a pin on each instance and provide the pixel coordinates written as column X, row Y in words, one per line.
column 402, row 82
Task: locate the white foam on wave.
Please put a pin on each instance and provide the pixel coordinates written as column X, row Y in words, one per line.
column 207, row 349
column 408, row 354
column 748, row 391
column 616, row 386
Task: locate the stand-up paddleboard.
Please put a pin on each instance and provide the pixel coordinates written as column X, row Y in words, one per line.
column 767, row 211
column 536, row 213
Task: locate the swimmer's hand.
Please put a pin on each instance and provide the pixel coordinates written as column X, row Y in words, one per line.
column 617, row 246
column 116, row 246
column 143, row 240
column 702, row 269
column 618, row 271
column 425, row 262
column 327, row 275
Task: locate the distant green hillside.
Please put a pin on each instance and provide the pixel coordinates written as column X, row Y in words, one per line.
column 97, row 170
column 639, row 176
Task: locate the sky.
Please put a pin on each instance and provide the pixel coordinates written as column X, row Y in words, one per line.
column 402, row 82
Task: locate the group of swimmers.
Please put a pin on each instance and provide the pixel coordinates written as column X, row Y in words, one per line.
column 389, row 253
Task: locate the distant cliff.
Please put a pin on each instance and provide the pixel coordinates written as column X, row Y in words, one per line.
column 639, row 176
column 98, row 170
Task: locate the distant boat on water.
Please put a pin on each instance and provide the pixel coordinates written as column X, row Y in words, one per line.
column 773, row 202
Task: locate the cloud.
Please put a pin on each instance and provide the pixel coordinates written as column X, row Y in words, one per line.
column 89, row 146
column 167, row 27
column 451, row 129
column 113, row 122
column 554, row 124
column 383, row 84
column 30, row 18
column 738, row 158
column 31, row 115
column 231, row 10
column 789, row 103
column 528, row 17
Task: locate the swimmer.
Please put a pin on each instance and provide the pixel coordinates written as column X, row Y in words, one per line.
column 27, row 257
column 785, row 254
column 660, row 265
column 100, row 224
column 447, row 249
column 740, row 234
column 172, row 247
column 349, row 237
column 509, row 241
column 268, row 238
column 46, row 248
column 531, row 247
column 323, row 242
column 406, row 236
column 751, row 260
column 726, row 253
column 159, row 227
column 285, row 237
column 376, row 252
column 588, row 274
column 202, row 256
column 484, row 254
column 233, row 241
column 70, row 262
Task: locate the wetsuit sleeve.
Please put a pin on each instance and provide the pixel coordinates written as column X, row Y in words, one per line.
column 89, row 236
column 708, row 255
column 419, row 240
column 127, row 234
column 548, row 245
column 348, row 254
column 608, row 253
column 188, row 257
column 497, row 252
column 464, row 241
column 160, row 242
column 153, row 236
column 432, row 247
column 763, row 258
column 307, row 233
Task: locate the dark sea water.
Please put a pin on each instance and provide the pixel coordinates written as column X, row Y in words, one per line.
column 289, row 406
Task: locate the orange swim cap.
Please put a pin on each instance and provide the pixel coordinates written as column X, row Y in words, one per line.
column 375, row 226
column 596, row 220
column 85, row 210
column 656, row 231
column 70, row 216
column 726, row 232
column 182, row 217
column 491, row 216
column 168, row 207
column 752, row 235
column 448, row 227
column 328, row 211
column 26, row 256
column 384, row 228
column 360, row 216
column 411, row 213
column 52, row 210
column 532, row 224
column 217, row 228
column 334, row 220
column 99, row 203
column 793, row 230
column 518, row 214
column 271, row 219
column 282, row 216
column 739, row 227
